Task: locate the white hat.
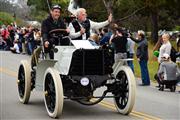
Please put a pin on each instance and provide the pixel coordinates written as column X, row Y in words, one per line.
column 56, row 7
column 166, row 56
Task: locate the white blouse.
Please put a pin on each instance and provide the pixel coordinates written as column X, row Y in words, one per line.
column 165, row 48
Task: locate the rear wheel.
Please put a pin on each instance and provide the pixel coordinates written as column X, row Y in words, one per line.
column 125, row 96
column 53, row 91
column 24, row 81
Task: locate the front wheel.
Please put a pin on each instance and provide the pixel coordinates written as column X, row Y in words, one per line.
column 53, row 91
column 24, row 81
column 126, row 89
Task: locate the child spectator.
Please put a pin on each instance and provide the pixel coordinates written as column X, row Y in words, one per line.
column 15, row 48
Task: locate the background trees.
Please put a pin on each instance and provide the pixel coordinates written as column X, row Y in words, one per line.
column 10, row 12
column 149, row 15
column 40, row 8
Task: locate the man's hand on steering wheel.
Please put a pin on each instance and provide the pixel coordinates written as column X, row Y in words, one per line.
column 68, row 30
column 46, row 44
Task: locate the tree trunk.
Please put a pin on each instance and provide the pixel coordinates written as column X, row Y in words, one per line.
column 109, row 6
column 154, row 30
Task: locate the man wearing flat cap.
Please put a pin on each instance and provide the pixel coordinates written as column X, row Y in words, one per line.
column 52, row 22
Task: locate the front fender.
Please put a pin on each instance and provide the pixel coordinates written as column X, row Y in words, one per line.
column 121, row 63
column 42, row 66
column 119, row 66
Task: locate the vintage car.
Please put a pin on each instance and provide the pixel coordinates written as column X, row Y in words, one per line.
column 77, row 70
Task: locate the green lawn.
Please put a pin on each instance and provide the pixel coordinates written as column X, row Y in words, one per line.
column 152, row 66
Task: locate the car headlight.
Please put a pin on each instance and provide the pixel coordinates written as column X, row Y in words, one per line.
column 84, row 81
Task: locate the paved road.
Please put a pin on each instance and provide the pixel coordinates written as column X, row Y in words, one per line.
column 150, row 103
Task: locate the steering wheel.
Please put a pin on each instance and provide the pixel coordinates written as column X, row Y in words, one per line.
column 58, row 33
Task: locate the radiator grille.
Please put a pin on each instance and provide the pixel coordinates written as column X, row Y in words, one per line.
column 91, row 62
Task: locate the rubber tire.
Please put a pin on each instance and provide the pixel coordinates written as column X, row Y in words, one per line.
column 27, row 72
column 132, row 91
column 59, row 93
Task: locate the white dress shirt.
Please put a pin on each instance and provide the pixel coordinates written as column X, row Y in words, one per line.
column 93, row 26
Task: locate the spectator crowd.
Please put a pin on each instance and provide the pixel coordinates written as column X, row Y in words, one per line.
column 19, row 39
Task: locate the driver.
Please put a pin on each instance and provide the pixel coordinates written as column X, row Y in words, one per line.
column 53, row 21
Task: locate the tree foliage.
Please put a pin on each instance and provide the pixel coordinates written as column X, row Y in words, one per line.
column 19, row 11
column 38, row 4
column 149, row 15
column 6, row 18
column 40, row 8
column 43, row 4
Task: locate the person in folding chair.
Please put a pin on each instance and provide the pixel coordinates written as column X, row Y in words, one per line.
column 167, row 73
